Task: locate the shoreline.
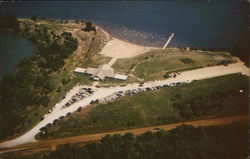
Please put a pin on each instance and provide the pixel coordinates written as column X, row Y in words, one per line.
column 121, row 48
column 124, row 40
column 114, row 36
column 143, row 48
column 97, row 27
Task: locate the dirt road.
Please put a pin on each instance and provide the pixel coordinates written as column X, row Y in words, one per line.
column 48, row 144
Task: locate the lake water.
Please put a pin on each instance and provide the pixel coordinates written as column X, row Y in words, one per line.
column 214, row 24
column 13, row 49
column 211, row 24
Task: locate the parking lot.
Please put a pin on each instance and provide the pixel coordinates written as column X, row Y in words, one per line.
column 80, row 95
column 131, row 92
column 106, row 93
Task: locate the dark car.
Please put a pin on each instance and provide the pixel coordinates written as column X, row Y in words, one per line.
column 157, row 129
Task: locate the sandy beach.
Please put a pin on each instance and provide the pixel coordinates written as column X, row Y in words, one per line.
column 117, row 48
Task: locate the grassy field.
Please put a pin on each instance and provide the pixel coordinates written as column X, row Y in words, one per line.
column 155, row 64
column 152, row 108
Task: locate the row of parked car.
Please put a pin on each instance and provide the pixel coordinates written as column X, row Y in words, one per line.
column 131, row 92
column 173, row 75
column 108, row 99
column 81, row 94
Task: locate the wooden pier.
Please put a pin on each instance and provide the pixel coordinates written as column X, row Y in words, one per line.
column 168, row 41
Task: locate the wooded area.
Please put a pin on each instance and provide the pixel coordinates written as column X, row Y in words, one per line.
column 184, row 142
column 30, row 84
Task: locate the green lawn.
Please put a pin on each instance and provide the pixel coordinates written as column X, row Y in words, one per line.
column 153, row 108
column 154, row 64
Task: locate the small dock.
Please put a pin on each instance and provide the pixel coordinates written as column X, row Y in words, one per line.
column 168, row 41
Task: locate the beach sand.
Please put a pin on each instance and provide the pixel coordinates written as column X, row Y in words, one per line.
column 117, row 48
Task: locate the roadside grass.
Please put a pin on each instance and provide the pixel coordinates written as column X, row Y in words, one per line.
column 57, row 95
column 150, row 108
column 154, row 64
column 109, row 81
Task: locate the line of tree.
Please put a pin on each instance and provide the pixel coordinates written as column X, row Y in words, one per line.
column 184, row 142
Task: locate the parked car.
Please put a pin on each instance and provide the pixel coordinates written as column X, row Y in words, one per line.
column 156, row 129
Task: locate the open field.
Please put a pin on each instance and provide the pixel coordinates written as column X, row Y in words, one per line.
column 156, row 63
column 153, row 108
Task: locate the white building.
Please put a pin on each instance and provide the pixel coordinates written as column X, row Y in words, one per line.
column 100, row 73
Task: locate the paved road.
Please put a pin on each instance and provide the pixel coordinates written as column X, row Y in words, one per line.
column 99, row 93
column 47, row 144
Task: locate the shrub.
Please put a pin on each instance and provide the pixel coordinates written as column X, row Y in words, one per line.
column 166, row 75
column 187, row 60
column 34, row 18
column 88, row 27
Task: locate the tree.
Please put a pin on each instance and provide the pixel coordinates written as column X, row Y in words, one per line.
column 9, row 22
column 242, row 48
column 88, row 27
column 45, row 30
column 40, row 80
column 166, row 75
column 34, row 17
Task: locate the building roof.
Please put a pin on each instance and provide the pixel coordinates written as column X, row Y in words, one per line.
column 104, row 71
column 121, row 77
column 91, row 70
column 108, row 73
column 105, row 67
column 80, row 70
column 101, row 72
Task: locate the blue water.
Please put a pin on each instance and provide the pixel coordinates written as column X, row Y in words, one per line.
column 214, row 24
column 204, row 24
column 13, row 49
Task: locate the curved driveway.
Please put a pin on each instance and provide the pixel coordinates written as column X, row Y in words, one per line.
column 99, row 93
